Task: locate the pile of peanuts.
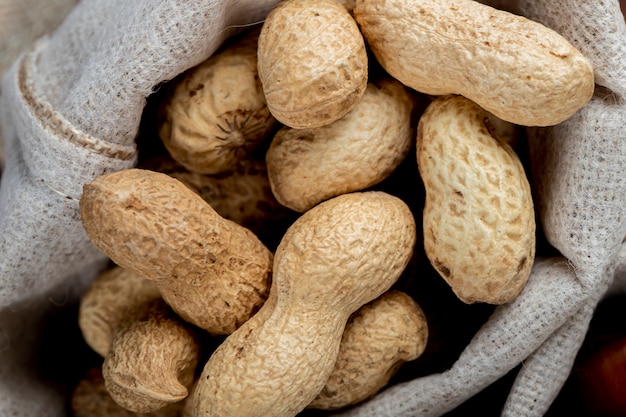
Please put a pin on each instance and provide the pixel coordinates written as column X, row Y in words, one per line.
column 254, row 260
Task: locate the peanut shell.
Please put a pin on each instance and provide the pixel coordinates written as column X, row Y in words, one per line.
column 213, row 272
column 307, row 166
column 513, row 67
column 378, row 339
column 312, row 62
column 152, row 360
column 216, row 114
column 479, row 218
column 336, row 257
column 113, row 294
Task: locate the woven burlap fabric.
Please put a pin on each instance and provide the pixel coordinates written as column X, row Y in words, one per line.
column 70, row 110
column 22, row 22
column 578, row 181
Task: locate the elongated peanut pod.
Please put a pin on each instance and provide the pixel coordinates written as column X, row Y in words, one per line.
column 335, row 258
column 152, row 360
column 519, row 70
column 213, row 272
column 479, row 218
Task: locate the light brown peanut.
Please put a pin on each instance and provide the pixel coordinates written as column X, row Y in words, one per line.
column 515, row 68
column 312, row 62
column 307, row 166
column 378, row 339
column 479, row 219
column 213, row 272
column 216, row 114
column 335, row 258
column 113, row 294
column 243, row 195
column 152, row 360
column 90, row 398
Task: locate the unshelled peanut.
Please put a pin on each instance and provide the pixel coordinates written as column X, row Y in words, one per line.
column 479, row 218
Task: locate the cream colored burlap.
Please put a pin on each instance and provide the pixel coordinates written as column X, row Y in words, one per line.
column 22, row 22
column 580, row 189
column 70, row 111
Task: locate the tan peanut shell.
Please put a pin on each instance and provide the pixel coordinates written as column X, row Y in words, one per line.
column 152, row 360
column 216, row 114
column 312, row 62
column 307, row 166
column 335, row 258
column 479, row 221
column 113, row 293
column 213, row 272
column 515, row 68
column 243, row 195
column 90, row 398
column 378, row 339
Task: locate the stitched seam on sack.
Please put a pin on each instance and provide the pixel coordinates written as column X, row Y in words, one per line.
column 55, row 123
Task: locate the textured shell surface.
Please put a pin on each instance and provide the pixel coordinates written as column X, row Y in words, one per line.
column 336, row 257
column 312, row 62
column 212, row 271
column 517, row 69
column 109, row 298
column 216, row 113
column 378, row 339
column 307, row 166
column 479, row 218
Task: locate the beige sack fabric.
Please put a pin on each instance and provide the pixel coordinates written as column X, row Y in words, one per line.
column 70, row 110
column 22, row 22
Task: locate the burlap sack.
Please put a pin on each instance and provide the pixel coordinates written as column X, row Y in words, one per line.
column 70, row 112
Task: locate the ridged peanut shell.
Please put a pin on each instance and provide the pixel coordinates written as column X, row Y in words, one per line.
column 312, row 62
column 216, row 114
column 243, row 195
column 152, row 360
column 479, row 219
column 515, row 68
column 90, row 398
column 336, row 257
column 213, row 272
column 307, row 166
column 113, row 293
column 378, row 339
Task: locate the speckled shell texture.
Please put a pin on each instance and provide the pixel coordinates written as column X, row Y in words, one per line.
column 212, row 271
column 90, row 398
column 377, row 340
column 479, row 221
column 216, row 114
column 335, row 258
column 516, row 68
column 243, row 195
column 312, row 62
column 152, row 360
column 113, row 293
column 307, row 166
